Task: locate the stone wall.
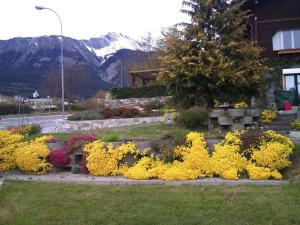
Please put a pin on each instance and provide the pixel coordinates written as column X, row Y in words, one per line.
column 130, row 102
column 72, row 126
column 233, row 119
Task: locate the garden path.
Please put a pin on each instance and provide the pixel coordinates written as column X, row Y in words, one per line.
column 68, row 177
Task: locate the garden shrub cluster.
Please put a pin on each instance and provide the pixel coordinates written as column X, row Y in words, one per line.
column 172, row 112
column 28, row 129
column 267, row 116
column 13, row 108
column 241, row 105
column 192, row 118
column 296, row 125
column 139, row 92
column 59, row 158
column 89, row 115
column 122, row 112
column 29, row 156
column 78, row 142
column 153, row 105
column 265, row 157
column 256, row 154
column 102, row 161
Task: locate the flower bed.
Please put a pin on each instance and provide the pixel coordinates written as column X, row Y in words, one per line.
column 258, row 155
column 121, row 112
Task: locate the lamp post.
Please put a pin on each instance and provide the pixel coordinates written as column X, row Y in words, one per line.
column 62, row 57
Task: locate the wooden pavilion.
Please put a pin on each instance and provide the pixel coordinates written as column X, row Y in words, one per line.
column 144, row 75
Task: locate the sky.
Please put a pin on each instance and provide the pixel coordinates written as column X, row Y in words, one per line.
column 83, row 19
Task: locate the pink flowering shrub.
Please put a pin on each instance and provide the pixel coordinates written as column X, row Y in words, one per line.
column 78, row 142
column 59, row 158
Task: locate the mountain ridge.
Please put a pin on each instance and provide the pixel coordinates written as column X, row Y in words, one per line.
column 25, row 63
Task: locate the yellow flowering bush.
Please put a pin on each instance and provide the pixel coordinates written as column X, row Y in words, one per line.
column 146, row 168
column 267, row 153
column 227, row 162
column 272, row 136
column 7, row 138
column 193, row 161
column 173, row 114
column 273, row 155
column 32, row 158
column 8, row 143
column 177, row 171
column 102, row 161
column 233, row 138
column 262, row 173
column 241, row 105
column 267, row 116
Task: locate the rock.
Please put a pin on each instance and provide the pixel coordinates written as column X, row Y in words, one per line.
column 224, row 121
column 236, row 113
column 215, row 113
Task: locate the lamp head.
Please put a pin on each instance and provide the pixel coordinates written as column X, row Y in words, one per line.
column 40, row 7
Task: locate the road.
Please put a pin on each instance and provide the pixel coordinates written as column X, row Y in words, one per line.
column 47, row 123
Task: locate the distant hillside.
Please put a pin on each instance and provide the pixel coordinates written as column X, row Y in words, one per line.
column 26, row 63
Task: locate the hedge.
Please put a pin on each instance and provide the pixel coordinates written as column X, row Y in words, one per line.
column 12, row 108
column 139, row 92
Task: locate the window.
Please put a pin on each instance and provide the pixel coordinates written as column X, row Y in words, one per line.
column 286, row 40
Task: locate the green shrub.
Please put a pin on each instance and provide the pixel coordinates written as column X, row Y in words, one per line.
column 76, row 169
column 192, row 118
column 139, row 92
column 12, row 108
column 110, row 137
column 29, row 129
column 154, row 105
column 32, row 129
column 90, row 115
column 296, row 125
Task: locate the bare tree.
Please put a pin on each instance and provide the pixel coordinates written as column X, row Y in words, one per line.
column 74, row 79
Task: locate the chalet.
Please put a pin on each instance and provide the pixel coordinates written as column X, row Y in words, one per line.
column 275, row 26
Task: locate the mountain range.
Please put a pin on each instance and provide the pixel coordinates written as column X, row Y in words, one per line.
column 29, row 64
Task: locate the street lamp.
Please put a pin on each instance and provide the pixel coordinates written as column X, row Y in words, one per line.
column 62, row 57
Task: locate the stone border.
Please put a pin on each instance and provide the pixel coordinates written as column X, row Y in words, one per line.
column 66, row 177
column 72, row 126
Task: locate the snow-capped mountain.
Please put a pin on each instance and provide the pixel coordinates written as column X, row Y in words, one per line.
column 26, row 64
column 105, row 46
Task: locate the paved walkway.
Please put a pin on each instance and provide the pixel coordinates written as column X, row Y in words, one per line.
column 60, row 124
column 48, row 123
column 68, row 177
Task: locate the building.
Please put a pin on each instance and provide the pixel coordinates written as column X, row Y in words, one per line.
column 275, row 26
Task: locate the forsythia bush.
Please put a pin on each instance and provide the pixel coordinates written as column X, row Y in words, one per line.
column 193, row 161
column 267, row 116
column 30, row 157
column 102, row 161
column 227, row 162
column 173, row 114
column 241, row 105
column 8, row 143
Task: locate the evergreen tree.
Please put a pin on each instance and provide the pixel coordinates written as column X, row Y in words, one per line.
column 210, row 57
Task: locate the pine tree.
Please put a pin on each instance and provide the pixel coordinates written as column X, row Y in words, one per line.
column 210, row 57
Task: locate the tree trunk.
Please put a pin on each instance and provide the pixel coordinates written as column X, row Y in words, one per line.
column 210, row 100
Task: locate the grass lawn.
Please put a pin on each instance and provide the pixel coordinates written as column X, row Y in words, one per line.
column 142, row 131
column 27, row 203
